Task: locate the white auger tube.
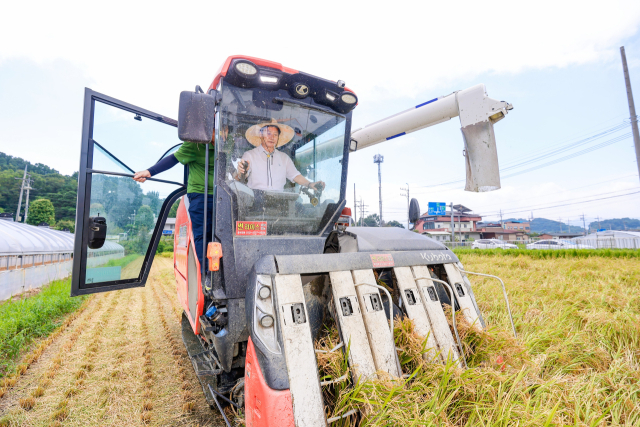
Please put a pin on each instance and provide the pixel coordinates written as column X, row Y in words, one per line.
column 477, row 114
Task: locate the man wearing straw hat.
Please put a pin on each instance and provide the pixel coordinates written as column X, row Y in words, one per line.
column 267, row 168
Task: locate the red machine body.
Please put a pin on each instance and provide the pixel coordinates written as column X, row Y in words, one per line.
column 264, row 406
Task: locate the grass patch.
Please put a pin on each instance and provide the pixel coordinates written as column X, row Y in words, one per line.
column 553, row 253
column 121, row 262
column 576, row 360
column 23, row 320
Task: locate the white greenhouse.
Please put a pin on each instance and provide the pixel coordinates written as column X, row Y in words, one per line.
column 611, row 239
column 31, row 256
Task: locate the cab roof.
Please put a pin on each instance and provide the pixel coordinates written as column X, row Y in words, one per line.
column 258, row 61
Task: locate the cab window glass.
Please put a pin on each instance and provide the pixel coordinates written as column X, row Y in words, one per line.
column 124, row 142
column 283, row 142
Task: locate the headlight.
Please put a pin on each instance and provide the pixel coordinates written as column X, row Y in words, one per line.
column 266, row 321
column 348, row 98
column 264, row 292
column 264, row 324
column 246, row 69
column 269, row 79
column 497, row 116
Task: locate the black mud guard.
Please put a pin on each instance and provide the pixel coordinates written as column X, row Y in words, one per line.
column 234, row 332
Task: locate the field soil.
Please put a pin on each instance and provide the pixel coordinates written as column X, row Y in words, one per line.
column 121, row 362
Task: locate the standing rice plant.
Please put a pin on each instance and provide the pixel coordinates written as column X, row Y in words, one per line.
column 576, row 360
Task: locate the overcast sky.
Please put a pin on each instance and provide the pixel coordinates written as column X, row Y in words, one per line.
column 558, row 63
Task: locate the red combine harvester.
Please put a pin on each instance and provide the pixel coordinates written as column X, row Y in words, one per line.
column 282, row 258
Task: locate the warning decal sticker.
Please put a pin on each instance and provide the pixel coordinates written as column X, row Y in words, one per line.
column 381, row 260
column 251, row 228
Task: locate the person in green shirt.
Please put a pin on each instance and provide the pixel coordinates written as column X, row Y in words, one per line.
column 193, row 156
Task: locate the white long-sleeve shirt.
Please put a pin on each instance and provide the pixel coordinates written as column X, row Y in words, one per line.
column 269, row 171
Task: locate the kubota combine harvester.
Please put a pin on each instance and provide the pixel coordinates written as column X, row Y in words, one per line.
column 281, row 259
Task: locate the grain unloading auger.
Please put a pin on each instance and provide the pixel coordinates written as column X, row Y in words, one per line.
column 281, row 261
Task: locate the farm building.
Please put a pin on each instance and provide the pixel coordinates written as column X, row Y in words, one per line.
column 31, row 256
column 612, row 239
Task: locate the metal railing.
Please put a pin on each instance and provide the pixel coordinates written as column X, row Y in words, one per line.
column 14, row 262
column 581, row 243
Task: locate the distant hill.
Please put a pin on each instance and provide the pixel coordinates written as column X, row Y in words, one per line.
column 48, row 183
column 543, row 225
column 616, row 224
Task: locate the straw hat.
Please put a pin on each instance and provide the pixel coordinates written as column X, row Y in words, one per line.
column 253, row 133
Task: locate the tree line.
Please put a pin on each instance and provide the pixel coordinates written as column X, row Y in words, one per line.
column 48, row 184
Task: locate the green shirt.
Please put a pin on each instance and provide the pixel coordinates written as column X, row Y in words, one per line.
column 193, row 155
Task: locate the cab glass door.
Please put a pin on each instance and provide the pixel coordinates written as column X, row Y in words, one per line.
column 119, row 221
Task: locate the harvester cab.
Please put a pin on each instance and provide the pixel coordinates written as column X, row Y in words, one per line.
column 281, row 257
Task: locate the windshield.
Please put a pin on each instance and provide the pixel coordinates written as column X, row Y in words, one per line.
column 286, row 145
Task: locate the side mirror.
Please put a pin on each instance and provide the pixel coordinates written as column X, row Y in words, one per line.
column 196, row 115
column 97, row 231
column 414, row 211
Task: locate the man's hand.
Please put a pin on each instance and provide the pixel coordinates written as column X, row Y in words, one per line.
column 317, row 186
column 141, row 176
column 243, row 168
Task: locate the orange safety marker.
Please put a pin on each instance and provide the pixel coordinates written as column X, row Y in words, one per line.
column 214, row 253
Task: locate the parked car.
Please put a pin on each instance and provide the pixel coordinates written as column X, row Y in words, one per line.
column 557, row 244
column 492, row 244
column 572, row 244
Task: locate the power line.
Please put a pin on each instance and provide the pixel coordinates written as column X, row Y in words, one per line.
column 573, row 155
column 535, row 207
column 555, row 152
column 569, row 189
column 577, row 203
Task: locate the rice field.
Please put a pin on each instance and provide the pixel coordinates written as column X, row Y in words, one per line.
column 575, row 363
column 119, row 359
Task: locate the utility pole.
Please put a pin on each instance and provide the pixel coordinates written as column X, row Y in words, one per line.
column 26, row 206
column 407, row 194
column 632, row 108
column 379, row 158
column 362, row 207
column 598, row 218
column 24, row 178
column 453, row 236
column 584, row 225
column 501, row 223
column 355, row 205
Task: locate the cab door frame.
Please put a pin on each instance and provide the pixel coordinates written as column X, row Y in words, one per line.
column 78, row 285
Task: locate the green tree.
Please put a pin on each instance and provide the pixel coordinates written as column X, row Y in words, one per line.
column 41, row 210
column 65, row 223
column 173, row 212
column 372, row 220
column 394, row 223
column 145, row 218
column 47, row 183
